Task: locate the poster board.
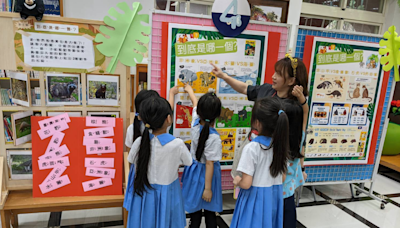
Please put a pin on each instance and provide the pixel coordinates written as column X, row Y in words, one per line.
column 76, row 171
column 190, row 51
column 345, row 86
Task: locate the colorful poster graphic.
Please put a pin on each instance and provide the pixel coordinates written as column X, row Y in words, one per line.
column 345, row 79
column 191, row 50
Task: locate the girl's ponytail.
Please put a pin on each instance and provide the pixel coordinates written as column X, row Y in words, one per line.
column 280, row 146
column 202, row 140
column 141, row 180
column 136, row 128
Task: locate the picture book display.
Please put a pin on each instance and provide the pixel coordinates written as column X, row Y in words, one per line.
column 345, row 79
column 19, row 164
column 191, row 49
column 21, row 127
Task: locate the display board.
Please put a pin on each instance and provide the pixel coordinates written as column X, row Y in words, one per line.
column 191, row 49
column 345, row 78
column 80, row 176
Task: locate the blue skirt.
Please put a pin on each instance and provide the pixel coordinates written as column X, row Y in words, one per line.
column 160, row 207
column 259, row 207
column 129, row 188
column 193, row 180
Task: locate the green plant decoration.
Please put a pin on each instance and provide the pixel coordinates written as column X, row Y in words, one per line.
column 121, row 41
column 390, row 46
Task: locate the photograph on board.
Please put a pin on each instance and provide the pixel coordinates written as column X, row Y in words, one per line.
column 63, row 89
column 266, row 13
column 19, row 88
column 103, row 90
column 20, row 164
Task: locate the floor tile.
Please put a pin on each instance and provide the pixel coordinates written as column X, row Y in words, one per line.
column 384, row 185
column 227, row 219
column 387, row 218
column 326, row 216
column 91, row 216
column 307, row 196
column 336, row 191
column 396, row 199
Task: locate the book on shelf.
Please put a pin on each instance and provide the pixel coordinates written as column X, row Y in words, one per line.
column 8, row 129
column 6, row 99
column 34, row 74
column 2, row 74
column 35, row 94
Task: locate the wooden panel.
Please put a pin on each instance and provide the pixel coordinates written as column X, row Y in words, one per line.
column 7, row 55
column 392, row 162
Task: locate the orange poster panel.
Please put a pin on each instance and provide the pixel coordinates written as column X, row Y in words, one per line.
column 76, row 172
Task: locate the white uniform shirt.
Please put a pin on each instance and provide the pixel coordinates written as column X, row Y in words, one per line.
column 256, row 161
column 213, row 148
column 167, row 154
column 129, row 134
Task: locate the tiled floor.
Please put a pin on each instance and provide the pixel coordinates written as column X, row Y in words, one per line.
column 334, row 208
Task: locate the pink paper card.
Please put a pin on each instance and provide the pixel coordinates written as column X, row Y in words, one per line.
column 55, row 173
column 96, row 184
column 100, row 149
column 54, row 184
column 99, row 162
column 99, row 132
column 236, row 192
column 96, row 141
column 55, row 142
column 100, row 121
column 57, row 153
column 100, row 172
column 54, row 120
column 44, row 133
column 50, row 164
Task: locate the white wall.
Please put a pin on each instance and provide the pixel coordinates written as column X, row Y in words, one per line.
column 392, row 15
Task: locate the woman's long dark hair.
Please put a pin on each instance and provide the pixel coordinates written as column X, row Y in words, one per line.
column 284, row 67
column 140, row 97
column 208, row 109
column 153, row 111
column 294, row 112
column 276, row 125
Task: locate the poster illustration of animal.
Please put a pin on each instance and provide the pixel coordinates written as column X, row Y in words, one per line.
column 329, row 87
column 183, row 116
column 228, row 138
column 201, row 81
column 234, row 115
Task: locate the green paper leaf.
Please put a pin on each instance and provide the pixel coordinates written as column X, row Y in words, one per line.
column 121, row 41
column 390, row 45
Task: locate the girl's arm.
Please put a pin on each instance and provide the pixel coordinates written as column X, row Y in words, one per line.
column 171, row 99
column 207, row 194
column 190, row 91
column 244, row 182
column 237, row 85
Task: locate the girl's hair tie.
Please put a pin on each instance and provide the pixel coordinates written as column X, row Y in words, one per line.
column 294, row 63
column 147, row 125
column 280, row 112
column 207, row 120
column 137, row 114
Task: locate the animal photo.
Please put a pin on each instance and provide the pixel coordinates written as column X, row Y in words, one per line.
column 63, row 90
column 19, row 89
column 234, row 116
column 23, row 127
column 103, row 90
column 20, row 166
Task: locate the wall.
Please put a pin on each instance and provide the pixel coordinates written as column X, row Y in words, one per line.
column 392, row 15
column 294, row 19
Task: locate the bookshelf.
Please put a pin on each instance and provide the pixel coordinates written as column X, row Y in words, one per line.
column 8, row 62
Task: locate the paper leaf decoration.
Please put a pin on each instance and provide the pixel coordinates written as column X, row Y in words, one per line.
column 390, row 46
column 121, row 42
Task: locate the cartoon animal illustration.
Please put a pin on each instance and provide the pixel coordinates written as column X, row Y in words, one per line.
column 242, row 115
column 322, row 50
column 344, row 141
column 188, row 76
column 28, row 8
column 230, row 135
column 226, row 115
column 323, row 141
column 363, row 113
column 365, row 94
column 62, row 91
column 206, row 79
column 334, row 140
column 353, row 141
column 336, row 112
column 344, row 112
column 356, row 92
column 188, row 114
column 225, row 155
column 311, row 141
column 325, row 85
column 362, row 64
column 24, row 125
column 228, row 141
column 228, row 147
column 335, row 93
column 339, row 83
column 101, row 92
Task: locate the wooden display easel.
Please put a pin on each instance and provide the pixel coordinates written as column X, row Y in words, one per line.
column 16, row 197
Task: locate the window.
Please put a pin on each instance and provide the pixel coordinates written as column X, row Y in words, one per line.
column 319, row 22
column 335, row 3
column 367, row 5
column 357, row 27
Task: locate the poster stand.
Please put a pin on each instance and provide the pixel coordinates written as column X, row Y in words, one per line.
column 350, row 174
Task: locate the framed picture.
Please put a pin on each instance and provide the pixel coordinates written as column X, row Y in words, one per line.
column 20, row 88
column 20, row 164
column 103, row 90
column 63, row 89
column 53, row 7
column 104, row 114
column 21, row 124
column 269, row 10
column 71, row 114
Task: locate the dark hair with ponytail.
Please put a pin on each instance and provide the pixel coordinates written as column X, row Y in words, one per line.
column 208, row 109
column 153, row 112
column 274, row 122
column 294, row 112
column 140, row 97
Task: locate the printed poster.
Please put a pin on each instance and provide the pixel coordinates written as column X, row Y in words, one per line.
column 345, row 80
column 191, row 50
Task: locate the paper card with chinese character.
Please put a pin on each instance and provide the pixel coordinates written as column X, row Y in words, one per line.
column 51, row 163
column 100, row 121
column 100, row 172
column 52, row 129
column 55, row 142
column 100, row 149
column 99, row 162
column 96, row 184
column 57, row 153
column 54, row 120
column 96, row 141
column 57, row 171
column 99, row 132
column 54, row 184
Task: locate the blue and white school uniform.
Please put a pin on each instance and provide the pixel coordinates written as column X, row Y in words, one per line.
column 161, row 206
column 193, row 178
column 262, row 204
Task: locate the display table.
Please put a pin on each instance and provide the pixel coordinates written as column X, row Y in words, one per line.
column 21, row 202
column 392, row 162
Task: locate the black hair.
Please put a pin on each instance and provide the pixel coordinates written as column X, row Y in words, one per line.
column 140, row 97
column 274, row 124
column 208, row 109
column 294, row 112
column 153, row 112
column 284, row 67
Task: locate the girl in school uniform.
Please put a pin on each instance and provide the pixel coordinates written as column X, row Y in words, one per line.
column 201, row 188
column 263, row 166
column 157, row 198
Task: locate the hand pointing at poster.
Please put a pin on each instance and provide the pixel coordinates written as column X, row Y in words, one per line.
column 237, row 85
column 218, row 72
